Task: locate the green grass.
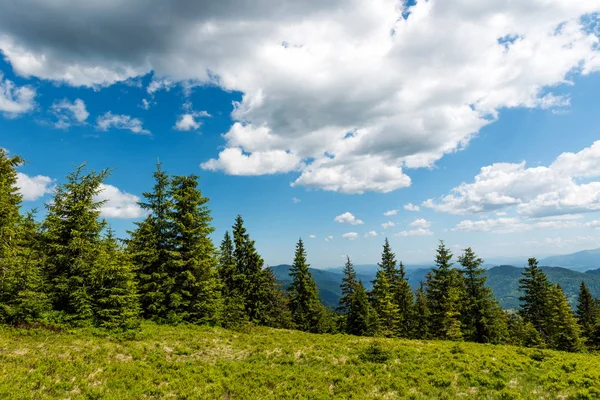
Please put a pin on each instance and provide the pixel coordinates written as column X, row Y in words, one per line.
column 211, row 363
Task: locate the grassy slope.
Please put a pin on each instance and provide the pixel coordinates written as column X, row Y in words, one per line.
column 201, row 362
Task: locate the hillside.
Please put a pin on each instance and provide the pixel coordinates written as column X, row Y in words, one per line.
column 191, row 362
column 587, row 259
column 503, row 279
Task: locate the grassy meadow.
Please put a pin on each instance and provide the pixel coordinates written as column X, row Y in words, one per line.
column 191, row 362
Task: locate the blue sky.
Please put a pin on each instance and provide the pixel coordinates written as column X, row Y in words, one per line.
column 320, row 132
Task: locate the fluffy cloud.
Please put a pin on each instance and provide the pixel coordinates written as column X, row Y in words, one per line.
column 329, row 238
column 189, row 121
column 118, row 204
column 157, row 85
column 371, row 234
column 312, row 236
column 420, row 223
column 414, row 232
column 513, row 224
column 348, row 218
column 425, row 78
column 15, row 100
column 110, row 120
column 390, row 213
column 350, row 235
column 69, row 113
column 388, row 224
column 34, row 187
column 411, row 207
column 564, row 187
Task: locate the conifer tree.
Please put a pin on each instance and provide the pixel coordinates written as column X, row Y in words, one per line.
column 234, row 314
column 483, row 320
column 444, row 292
column 22, row 298
column 535, row 298
column 348, row 286
column 422, row 316
column 227, row 264
column 563, row 331
column 151, row 247
column 361, row 319
column 384, row 304
column 404, row 300
column 277, row 311
column 195, row 294
column 305, row 306
column 588, row 312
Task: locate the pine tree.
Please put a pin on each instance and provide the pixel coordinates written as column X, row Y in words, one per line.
column 234, row 314
column 483, row 320
column 307, row 310
column 563, row 331
column 227, row 267
column 384, row 304
column 535, row 298
column 116, row 298
column 588, row 312
column 404, row 301
column 361, row 319
column 195, row 295
column 22, row 298
column 421, row 327
column 444, row 292
column 348, row 286
column 73, row 245
column 277, row 312
column 151, row 247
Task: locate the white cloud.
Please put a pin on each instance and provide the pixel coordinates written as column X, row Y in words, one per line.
column 411, row 207
column 15, row 100
column 296, row 200
column 422, row 86
column 350, row 235
column 146, row 104
column 388, row 224
column 420, row 223
column 390, row 213
column 189, row 121
column 348, row 218
column 69, row 113
column 312, row 236
column 34, row 187
column 370, row 234
column 118, row 204
column 158, row 85
column 110, row 120
column 329, row 238
column 415, row 232
column 510, row 225
column 564, row 187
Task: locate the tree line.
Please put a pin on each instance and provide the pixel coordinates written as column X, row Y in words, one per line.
column 71, row 269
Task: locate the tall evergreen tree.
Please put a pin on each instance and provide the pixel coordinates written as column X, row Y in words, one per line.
column 404, row 301
column 483, row 320
column 535, row 297
column 227, row 266
column 22, row 298
column 384, row 296
column 588, row 312
column 444, row 292
column 151, row 247
column 195, row 294
column 361, row 319
column 348, row 286
column 563, row 331
column 234, row 313
column 421, row 326
column 307, row 311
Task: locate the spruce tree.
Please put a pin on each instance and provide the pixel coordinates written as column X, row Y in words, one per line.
column 444, row 292
column 483, row 320
column 588, row 312
column 151, row 247
column 307, row 310
column 361, row 319
column 563, row 331
column 348, row 286
column 404, row 301
column 535, row 298
column 22, row 297
column 384, row 304
column 234, row 314
column 195, row 295
column 421, row 326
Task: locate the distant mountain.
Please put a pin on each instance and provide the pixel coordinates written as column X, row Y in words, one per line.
column 503, row 280
column 582, row 260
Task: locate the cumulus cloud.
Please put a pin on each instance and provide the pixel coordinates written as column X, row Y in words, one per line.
column 370, row 234
column 414, row 232
column 566, row 186
column 157, row 85
column 15, row 100
column 348, row 218
column 411, row 207
column 114, row 121
column 388, row 224
column 329, row 238
column 390, row 213
column 118, row 204
column 420, row 223
column 189, row 121
column 69, row 113
column 350, row 235
column 425, row 78
column 515, row 224
column 34, row 187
